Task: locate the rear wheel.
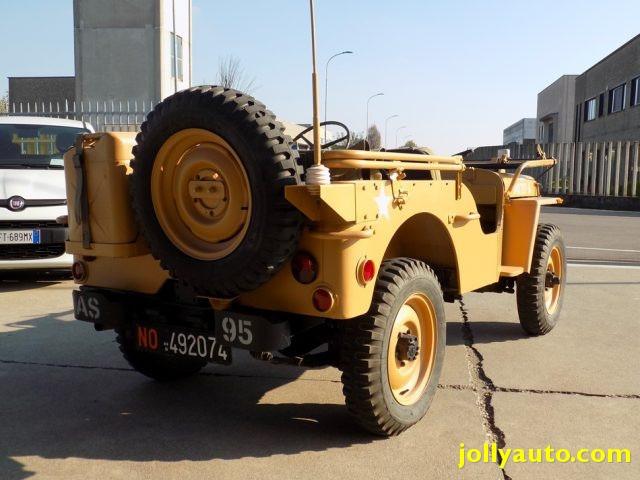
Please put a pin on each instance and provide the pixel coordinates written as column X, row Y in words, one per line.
column 393, row 355
column 159, row 367
column 540, row 293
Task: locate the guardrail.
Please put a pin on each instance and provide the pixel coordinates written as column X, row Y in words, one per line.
column 604, row 169
column 594, row 168
column 103, row 115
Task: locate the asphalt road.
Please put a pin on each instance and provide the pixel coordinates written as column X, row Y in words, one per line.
column 71, row 408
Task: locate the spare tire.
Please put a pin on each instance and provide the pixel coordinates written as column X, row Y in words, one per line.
column 209, row 170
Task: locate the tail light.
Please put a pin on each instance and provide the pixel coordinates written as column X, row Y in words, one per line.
column 323, row 299
column 79, row 271
column 366, row 271
column 304, row 268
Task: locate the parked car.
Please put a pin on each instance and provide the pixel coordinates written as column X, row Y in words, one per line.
column 32, row 190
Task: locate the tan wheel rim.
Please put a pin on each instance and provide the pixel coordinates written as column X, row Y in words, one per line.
column 409, row 374
column 553, row 280
column 201, row 194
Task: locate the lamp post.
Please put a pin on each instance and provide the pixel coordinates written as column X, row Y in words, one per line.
column 326, row 86
column 397, row 130
column 386, row 123
column 366, row 126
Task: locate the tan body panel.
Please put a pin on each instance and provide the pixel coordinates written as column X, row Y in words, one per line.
column 437, row 221
column 521, row 216
column 141, row 274
column 424, row 227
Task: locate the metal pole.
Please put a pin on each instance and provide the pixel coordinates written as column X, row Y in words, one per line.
column 366, row 125
column 317, row 158
column 397, row 130
column 175, row 49
column 326, row 87
column 386, row 124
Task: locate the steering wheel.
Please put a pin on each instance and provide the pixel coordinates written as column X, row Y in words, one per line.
column 347, row 136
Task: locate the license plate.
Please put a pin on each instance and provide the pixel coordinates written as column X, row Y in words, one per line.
column 19, row 237
column 182, row 342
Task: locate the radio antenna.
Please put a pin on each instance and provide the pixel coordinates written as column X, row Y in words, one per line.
column 314, row 83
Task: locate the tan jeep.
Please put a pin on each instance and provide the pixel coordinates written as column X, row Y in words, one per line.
column 215, row 233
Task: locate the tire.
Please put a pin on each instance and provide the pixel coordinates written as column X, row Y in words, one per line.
column 258, row 237
column 539, row 304
column 366, row 362
column 159, row 367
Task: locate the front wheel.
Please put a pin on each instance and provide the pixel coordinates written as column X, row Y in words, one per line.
column 392, row 356
column 540, row 293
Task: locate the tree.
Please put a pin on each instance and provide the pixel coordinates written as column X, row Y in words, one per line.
column 374, row 137
column 4, row 103
column 410, row 144
column 232, row 75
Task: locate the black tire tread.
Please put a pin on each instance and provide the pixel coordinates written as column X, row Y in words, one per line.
column 279, row 240
column 363, row 342
column 532, row 312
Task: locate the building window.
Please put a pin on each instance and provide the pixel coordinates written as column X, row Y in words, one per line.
column 616, row 98
column 590, row 109
column 176, row 56
column 635, row 91
column 601, row 105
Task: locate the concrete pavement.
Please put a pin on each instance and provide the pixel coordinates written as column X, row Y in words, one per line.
column 71, row 408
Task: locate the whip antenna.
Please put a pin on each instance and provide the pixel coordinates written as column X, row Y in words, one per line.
column 317, row 174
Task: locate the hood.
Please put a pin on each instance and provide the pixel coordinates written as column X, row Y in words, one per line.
column 32, row 184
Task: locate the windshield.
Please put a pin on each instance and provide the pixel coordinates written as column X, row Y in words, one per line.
column 35, row 146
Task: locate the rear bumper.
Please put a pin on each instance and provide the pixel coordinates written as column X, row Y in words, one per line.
column 108, row 309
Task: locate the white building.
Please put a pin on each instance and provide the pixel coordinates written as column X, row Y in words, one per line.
column 131, row 49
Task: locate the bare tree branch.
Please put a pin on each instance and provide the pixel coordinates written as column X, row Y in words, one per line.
column 4, row 103
column 232, row 75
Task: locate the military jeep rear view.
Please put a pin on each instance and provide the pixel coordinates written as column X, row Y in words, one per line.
column 208, row 232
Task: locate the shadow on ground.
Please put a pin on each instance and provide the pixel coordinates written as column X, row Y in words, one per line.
column 486, row 332
column 16, row 281
column 99, row 409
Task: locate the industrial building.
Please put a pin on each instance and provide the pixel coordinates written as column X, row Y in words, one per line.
column 520, row 132
column 124, row 50
column 601, row 104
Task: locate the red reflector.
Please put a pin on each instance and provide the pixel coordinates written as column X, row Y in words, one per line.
column 304, row 268
column 78, row 271
column 322, row 299
column 368, row 270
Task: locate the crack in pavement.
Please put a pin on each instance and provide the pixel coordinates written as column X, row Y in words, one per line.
column 566, row 392
column 442, row 386
column 484, row 387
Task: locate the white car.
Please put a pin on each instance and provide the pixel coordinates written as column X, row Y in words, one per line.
column 32, row 190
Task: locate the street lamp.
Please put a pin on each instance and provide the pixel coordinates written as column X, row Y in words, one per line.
column 386, row 123
column 366, row 125
column 326, row 86
column 397, row 130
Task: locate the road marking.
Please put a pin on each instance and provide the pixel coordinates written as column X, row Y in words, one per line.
column 603, row 265
column 605, row 249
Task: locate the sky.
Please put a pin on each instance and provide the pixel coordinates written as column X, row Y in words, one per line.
column 456, row 72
